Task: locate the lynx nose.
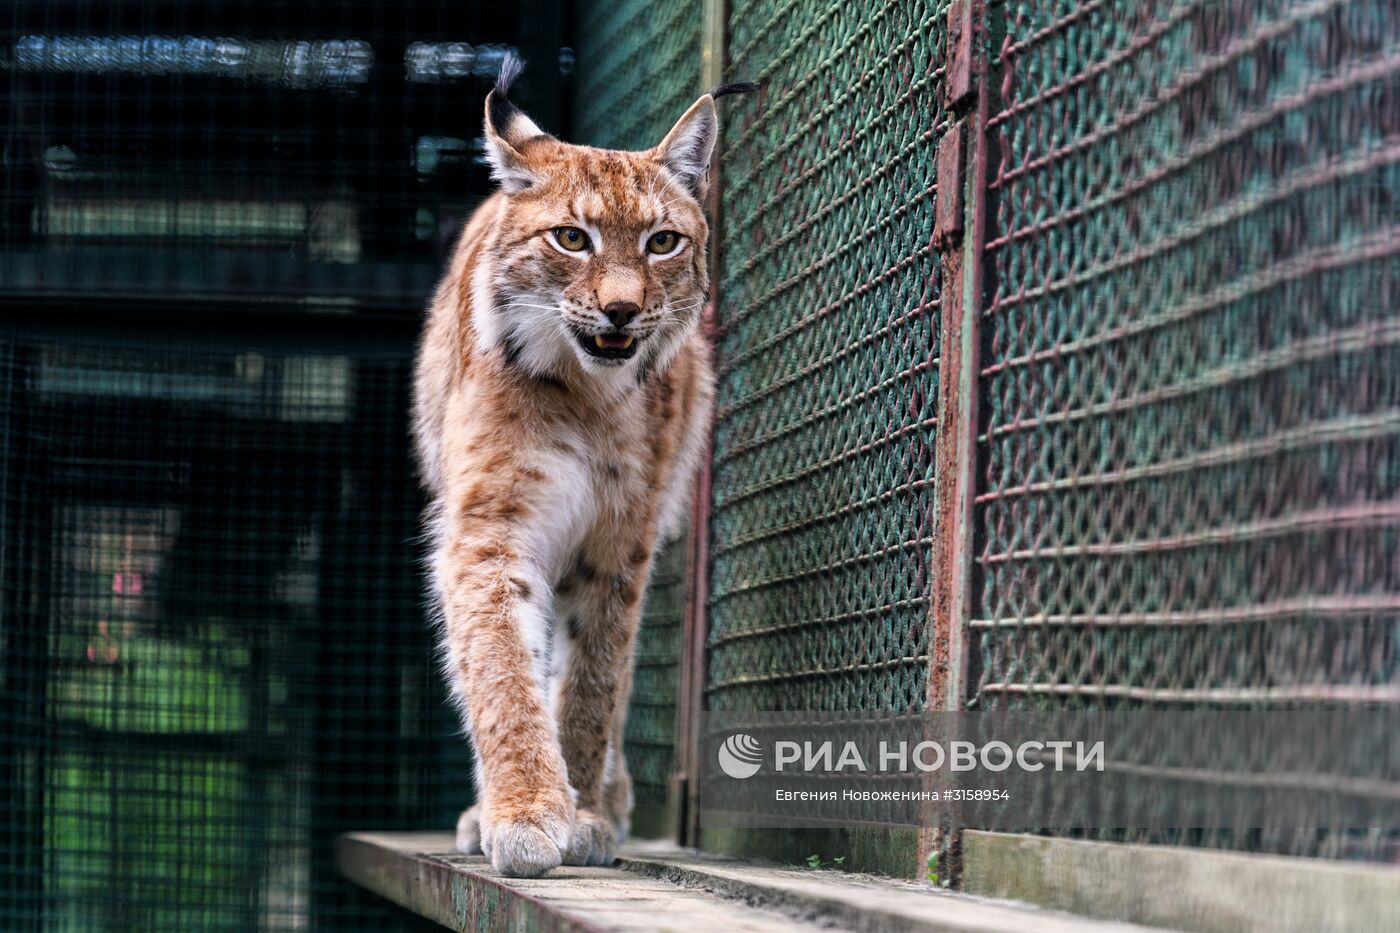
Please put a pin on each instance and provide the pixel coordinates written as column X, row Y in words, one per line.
column 621, row 313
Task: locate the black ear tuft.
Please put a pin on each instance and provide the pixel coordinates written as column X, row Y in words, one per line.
column 737, row 87
column 507, row 128
column 502, row 110
column 511, row 66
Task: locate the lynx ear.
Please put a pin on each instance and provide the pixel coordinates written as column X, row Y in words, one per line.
column 507, row 130
column 686, row 150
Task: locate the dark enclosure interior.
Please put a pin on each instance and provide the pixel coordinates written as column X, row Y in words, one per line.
column 218, row 227
column 318, row 152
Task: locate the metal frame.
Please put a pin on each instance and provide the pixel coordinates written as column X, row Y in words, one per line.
column 694, row 628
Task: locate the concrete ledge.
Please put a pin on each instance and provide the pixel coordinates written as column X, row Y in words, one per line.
column 658, row 887
column 1202, row 890
column 404, row 869
column 851, row 901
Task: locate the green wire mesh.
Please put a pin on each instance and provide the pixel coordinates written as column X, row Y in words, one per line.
column 639, row 69
column 318, row 151
column 1191, row 387
column 828, row 375
column 212, row 649
column 1185, row 464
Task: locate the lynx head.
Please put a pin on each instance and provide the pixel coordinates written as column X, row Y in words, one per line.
column 596, row 271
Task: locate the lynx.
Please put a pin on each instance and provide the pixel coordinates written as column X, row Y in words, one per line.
column 562, row 396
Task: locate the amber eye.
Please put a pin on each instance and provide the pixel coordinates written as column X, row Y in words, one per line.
column 662, row 242
column 571, row 238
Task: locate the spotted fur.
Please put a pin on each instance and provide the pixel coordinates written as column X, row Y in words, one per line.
column 556, row 472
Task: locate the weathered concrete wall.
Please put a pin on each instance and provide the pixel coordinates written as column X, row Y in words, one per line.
column 1191, row 889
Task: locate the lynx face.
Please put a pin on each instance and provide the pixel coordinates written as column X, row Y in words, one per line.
column 597, row 272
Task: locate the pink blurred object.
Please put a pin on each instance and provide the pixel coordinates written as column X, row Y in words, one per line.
column 126, row 584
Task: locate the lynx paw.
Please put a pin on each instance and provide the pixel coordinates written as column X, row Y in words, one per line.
column 594, row 841
column 523, row 850
column 526, row 844
column 469, row 831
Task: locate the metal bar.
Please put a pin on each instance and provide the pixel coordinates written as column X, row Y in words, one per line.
column 956, row 444
column 855, row 398
column 1330, row 607
column 948, row 218
column 1204, row 69
column 869, row 125
column 1381, row 245
column 811, row 29
column 959, row 51
column 1330, row 693
column 1274, row 780
column 826, row 310
column 1351, row 517
column 1358, row 339
column 1220, row 217
column 694, row 630
column 755, row 537
column 816, row 621
column 955, row 456
column 1316, row 434
column 694, row 625
column 857, row 238
column 758, row 583
column 754, row 489
column 1251, row 121
column 747, row 679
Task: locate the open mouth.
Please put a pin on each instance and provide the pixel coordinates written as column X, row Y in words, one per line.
column 614, row 346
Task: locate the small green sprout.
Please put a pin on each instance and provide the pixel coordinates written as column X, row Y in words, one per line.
column 815, row 862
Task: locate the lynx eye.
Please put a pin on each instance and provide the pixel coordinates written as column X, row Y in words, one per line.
column 571, row 238
column 663, row 242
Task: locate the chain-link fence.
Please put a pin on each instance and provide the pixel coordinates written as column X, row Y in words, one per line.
column 1187, row 492
column 828, row 359
column 1174, row 290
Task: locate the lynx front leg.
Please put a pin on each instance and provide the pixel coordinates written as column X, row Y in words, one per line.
column 495, row 631
column 603, row 601
column 617, row 782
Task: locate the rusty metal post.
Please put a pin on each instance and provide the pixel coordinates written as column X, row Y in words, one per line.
column 685, row 791
column 960, row 236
